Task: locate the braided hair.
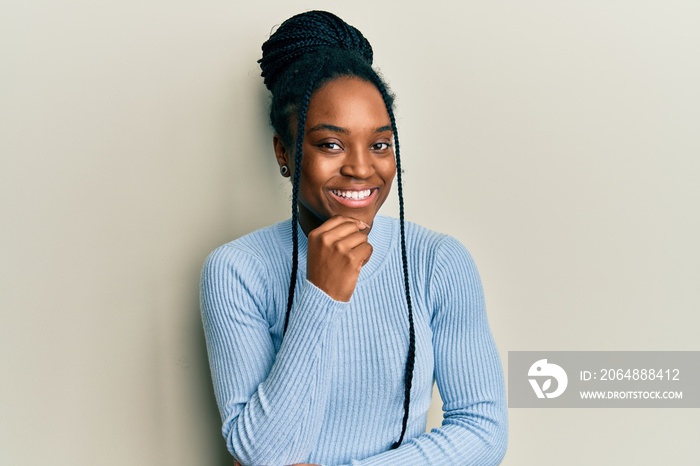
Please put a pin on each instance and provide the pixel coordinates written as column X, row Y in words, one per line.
column 304, row 53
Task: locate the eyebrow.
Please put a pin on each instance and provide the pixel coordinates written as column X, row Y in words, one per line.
column 339, row 129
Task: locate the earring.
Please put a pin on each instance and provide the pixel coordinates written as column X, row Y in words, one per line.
column 284, row 170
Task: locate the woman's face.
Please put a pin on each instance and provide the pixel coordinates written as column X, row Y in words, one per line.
column 348, row 164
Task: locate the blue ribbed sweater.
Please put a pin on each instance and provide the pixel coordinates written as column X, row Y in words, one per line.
column 331, row 392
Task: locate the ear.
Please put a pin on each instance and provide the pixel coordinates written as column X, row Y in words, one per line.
column 282, row 155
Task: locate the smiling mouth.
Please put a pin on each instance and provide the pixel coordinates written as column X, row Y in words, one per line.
column 353, row 194
column 354, row 199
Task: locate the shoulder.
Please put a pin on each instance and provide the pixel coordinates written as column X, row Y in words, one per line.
column 237, row 276
column 438, row 263
column 251, row 255
column 426, row 244
column 258, row 245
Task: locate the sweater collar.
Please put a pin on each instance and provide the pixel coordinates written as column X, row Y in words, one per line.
column 382, row 237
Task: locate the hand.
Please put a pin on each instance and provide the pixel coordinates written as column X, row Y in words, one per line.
column 337, row 251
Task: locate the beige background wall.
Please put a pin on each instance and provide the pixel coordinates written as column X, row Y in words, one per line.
column 558, row 140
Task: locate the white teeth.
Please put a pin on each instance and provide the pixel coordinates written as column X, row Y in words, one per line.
column 359, row 195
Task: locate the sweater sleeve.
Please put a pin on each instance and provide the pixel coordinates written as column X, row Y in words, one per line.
column 271, row 404
column 468, row 372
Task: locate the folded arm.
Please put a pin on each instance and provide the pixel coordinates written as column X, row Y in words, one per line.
column 468, row 372
column 271, row 403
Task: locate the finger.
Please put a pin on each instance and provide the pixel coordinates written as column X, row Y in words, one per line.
column 360, row 224
column 345, row 229
column 340, row 230
column 362, row 253
column 337, row 220
column 364, row 227
column 352, row 240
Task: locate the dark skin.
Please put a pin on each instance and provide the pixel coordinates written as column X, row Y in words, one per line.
column 347, row 171
column 348, row 168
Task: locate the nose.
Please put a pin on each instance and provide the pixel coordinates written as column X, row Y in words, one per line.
column 358, row 163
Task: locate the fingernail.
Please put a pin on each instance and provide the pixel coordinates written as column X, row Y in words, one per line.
column 364, row 225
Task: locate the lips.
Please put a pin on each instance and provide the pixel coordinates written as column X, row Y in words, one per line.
column 353, row 194
column 354, row 198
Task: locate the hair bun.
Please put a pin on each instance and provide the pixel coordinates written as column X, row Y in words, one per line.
column 307, row 33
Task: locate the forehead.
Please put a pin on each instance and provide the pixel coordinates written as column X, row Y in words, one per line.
column 348, row 102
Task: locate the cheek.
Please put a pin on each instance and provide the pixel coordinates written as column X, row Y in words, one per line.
column 315, row 174
column 388, row 171
column 319, row 169
column 307, row 186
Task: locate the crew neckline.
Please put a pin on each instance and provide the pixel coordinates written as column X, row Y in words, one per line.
column 382, row 237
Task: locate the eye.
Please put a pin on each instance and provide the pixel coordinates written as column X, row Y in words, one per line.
column 329, row 146
column 381, row 146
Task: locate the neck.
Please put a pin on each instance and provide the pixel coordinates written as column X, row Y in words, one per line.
column 308, row 220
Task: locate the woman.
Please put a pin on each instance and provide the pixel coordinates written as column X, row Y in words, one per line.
column 325, row 333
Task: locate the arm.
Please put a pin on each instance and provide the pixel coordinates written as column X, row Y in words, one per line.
column 467, row 369
column 271, row 404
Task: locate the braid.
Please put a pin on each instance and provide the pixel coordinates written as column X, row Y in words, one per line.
column 305, row 52
column 411, row 357
column 306, row 33
column 304, row 107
